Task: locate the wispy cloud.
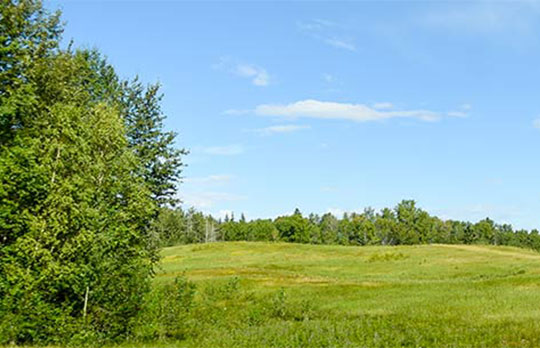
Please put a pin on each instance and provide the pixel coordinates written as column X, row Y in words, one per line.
column 485, row 17
column 536, row 123
column 328, row 32
column 340, row 43
column 280, row 129
column 315, row 24
column 228, row 150
column 456, row 114
column 463, row 111
column 383, row 106
column 332, row 110
column 256, row 74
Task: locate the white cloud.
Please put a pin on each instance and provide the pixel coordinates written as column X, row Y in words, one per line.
column 281, row 129
column 383, row 106
column 259, row 76
column 536, row 123
column 210, row 179
column 340, row 43
column 328, row 32
column 486, row 17
column 315, row 24
column 202, row 200
column 332, row 110
column 462, row 113
column 456, row 114
column 228, row 150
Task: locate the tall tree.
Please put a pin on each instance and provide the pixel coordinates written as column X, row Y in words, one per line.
column 27, row 34
column 76, row 245
column 161, row 162
column 76, row 194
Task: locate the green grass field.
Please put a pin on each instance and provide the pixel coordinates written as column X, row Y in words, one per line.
column 338, row 296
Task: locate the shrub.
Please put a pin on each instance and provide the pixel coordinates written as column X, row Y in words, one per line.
column 165, row 311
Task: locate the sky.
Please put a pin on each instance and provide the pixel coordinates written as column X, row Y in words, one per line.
column 337, row 106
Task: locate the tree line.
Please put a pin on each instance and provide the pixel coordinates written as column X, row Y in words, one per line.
column 405, row 224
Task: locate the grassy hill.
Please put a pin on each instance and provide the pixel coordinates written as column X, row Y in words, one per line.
column 290, row 295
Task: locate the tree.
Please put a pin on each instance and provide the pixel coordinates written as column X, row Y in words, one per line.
column 293, row 228
column 387, row 227
column 262, row 230
column 344, row 233
column 407, row 216
column 161, row 163
column 362, row 229
column 76, row 253
column 170, row 227
column 329, row 227
column 484, row 231
column 27, row 35
column 81, row 235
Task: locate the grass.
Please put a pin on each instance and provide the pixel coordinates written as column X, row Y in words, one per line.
column 291, row 296
column 404, row 296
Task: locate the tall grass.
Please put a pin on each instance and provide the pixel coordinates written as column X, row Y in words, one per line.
column 286, row 295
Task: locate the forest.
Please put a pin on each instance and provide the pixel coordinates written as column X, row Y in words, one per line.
column 405, row 224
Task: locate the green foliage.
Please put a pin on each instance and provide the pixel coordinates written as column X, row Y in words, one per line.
column 161, row 163
column 180, row 311
column 77, row 192
column 222, row 290
column 406, row 224
column 165, row 311
column 262, row 230
column 294, row 228
column 28, row 34
column 170, row 227
column 73, row 214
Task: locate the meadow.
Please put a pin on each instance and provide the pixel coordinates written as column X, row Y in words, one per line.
column 249, row 294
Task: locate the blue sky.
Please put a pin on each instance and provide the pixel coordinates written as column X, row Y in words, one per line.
column 338, row 106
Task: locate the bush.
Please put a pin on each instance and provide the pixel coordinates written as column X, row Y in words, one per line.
column 165, row 311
